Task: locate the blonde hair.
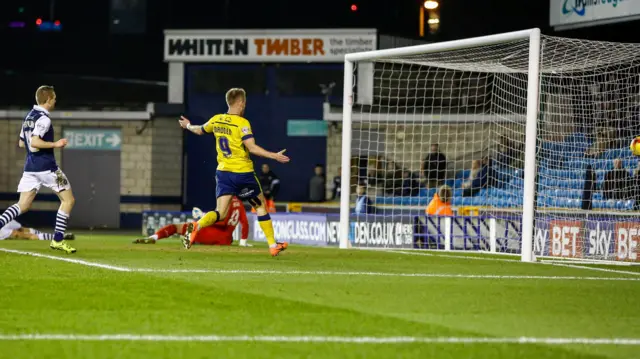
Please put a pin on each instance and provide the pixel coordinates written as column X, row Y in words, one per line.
column 234, row 95
column 44, row 93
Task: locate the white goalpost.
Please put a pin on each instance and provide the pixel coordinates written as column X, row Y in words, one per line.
column 521, row 136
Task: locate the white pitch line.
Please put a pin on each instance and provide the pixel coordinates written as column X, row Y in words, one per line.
column 560, row 264
column 317, row 273
column 317, row 339
column 381, row 274
column 69, row 260
column 455, row 256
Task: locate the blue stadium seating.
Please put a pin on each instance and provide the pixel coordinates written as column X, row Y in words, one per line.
column 561, row 180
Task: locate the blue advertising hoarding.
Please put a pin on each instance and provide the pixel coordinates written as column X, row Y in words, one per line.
column 296, row 228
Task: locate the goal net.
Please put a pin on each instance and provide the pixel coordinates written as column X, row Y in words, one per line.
column 512, row 143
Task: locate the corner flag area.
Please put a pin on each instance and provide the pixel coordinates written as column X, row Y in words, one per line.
column 114, row 299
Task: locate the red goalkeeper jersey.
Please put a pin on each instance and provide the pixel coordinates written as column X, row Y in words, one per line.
column 221, row 233
column 237, row 214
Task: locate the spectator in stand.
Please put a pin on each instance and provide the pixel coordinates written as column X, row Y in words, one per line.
column 364, row 205
column 393, row 178
column 603, row 138
column 410, row 186
column 477, row 179
column 589, row 188
column 440, row 205
column 434, row 167
column 616, row 182
column 317, row 185
column 376, row 174
column 335, row 193
column 490, row 172
column 270, row 184
column 506, row 151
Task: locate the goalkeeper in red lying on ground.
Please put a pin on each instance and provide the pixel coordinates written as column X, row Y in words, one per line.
column 220, row 234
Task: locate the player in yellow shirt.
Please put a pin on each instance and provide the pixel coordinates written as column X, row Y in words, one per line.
column 235, row 175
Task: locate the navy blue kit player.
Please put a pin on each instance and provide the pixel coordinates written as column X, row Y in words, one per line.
column 41, row 169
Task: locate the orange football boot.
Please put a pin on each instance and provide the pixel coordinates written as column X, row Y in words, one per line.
column 190, row 234
column 281, row 246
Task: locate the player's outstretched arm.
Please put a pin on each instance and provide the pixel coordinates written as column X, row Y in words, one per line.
column 41, row 127
column 254, row 149
column 39, row 143
column 186, row 124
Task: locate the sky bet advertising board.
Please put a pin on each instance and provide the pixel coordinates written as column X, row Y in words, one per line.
column 600, row 238
column 576, row 13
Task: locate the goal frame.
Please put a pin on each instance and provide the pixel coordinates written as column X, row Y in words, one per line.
column 533, row 100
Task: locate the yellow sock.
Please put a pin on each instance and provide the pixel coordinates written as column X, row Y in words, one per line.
column 209, row 219
column 267, row 228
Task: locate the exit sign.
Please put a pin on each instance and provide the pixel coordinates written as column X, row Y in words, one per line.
column 102, row 139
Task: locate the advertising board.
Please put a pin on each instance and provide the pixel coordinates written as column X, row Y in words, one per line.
column 295, row 228
column 328, row 45
column 599, row 238
column 577, row 13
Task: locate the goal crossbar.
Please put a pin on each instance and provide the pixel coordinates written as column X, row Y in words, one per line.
column 442, row 46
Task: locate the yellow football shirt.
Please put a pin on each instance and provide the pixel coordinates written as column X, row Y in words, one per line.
column 230, row 131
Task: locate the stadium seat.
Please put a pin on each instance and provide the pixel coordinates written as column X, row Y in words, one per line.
column 463, row 174
column 477, row 201
column 629, row 205
column 630, row 163
column 574, row 203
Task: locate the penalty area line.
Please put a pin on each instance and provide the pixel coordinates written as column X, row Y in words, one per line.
column 316, row 273
column 569, row 265
column 317, row 339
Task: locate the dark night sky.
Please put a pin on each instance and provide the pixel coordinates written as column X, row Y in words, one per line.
column 86, row 46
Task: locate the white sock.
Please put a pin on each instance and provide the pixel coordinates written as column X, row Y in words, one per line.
column 10, row 214
column 45, row 236
column 61, row 224
column 154, row 237
column 243, row 242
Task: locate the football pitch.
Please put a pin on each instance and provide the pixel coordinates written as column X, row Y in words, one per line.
column 114, row 299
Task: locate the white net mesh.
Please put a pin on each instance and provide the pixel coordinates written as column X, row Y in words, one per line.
column 445, row 132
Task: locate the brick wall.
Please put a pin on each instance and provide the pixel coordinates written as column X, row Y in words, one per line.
column 151, row 162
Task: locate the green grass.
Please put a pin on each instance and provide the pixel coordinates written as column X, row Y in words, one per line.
column 41, row 295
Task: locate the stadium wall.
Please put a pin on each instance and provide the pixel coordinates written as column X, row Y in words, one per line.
column 407, row 145
column 151, row 167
